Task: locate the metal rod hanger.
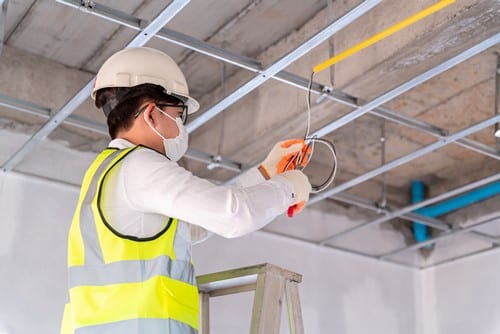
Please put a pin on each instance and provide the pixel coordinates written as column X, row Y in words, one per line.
column 140, row 39
column 416, row 206
column 294, row 80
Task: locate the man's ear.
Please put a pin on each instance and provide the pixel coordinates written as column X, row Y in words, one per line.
column 149, row 114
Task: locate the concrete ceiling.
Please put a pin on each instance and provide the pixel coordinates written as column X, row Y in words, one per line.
column 51, row 50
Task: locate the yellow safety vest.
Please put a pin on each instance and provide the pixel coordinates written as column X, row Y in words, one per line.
column 126, row 285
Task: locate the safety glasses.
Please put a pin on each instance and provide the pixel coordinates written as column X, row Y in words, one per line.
column 182, row 113
column 182, row 110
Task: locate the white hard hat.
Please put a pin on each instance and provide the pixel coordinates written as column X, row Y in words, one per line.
column 140, row 65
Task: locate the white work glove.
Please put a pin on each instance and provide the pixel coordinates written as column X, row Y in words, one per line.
column 283, row 157
column 301, row 190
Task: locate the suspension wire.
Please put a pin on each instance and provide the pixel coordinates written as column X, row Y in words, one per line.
column 331, row 44
column 222, row 117
column 383, row 201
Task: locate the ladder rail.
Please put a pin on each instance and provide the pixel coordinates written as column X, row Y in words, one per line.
column 270, row 283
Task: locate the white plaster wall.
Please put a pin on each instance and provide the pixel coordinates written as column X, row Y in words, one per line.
column 340, row 293
column 465, row 296
column 35, row 218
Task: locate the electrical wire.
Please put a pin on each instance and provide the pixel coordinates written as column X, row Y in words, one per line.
column 310, row 142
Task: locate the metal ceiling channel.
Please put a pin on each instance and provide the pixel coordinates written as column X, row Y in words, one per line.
column 294, row 80
column 140, row 39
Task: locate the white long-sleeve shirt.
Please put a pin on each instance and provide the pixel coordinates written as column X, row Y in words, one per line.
column 147, row 186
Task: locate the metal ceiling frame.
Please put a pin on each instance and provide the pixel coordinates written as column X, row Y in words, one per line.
column 140, row 39
column 291, row 79
column 275, row 71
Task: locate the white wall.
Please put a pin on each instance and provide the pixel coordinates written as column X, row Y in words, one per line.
column 466, row 295
column 35, row 218
column 340, row 293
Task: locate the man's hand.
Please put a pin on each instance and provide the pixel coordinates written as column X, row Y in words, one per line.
column 285, row 155
column 301, row 190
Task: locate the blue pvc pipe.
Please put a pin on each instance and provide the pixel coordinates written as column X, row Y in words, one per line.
column 460, row 201
column 420, row 231
column 417, row 191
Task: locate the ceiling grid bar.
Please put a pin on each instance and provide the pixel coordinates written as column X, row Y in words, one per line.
column 140, row 39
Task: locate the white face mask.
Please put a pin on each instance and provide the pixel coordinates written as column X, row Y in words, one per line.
column 176, row 147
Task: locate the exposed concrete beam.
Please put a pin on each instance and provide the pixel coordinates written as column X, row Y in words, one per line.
column 140, row 39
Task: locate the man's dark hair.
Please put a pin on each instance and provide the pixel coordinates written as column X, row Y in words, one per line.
column 120, row 104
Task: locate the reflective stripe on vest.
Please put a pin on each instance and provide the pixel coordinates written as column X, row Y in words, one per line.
column 147, row 326
column 121, row 284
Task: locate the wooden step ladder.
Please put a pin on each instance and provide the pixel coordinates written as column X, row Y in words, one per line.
column 270, row 283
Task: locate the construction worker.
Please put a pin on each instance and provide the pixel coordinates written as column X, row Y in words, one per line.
column 129, row 247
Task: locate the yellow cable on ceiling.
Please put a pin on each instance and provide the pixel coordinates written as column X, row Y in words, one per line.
column 381, row 35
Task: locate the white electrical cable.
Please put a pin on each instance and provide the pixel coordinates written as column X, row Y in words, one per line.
column 311, row 141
